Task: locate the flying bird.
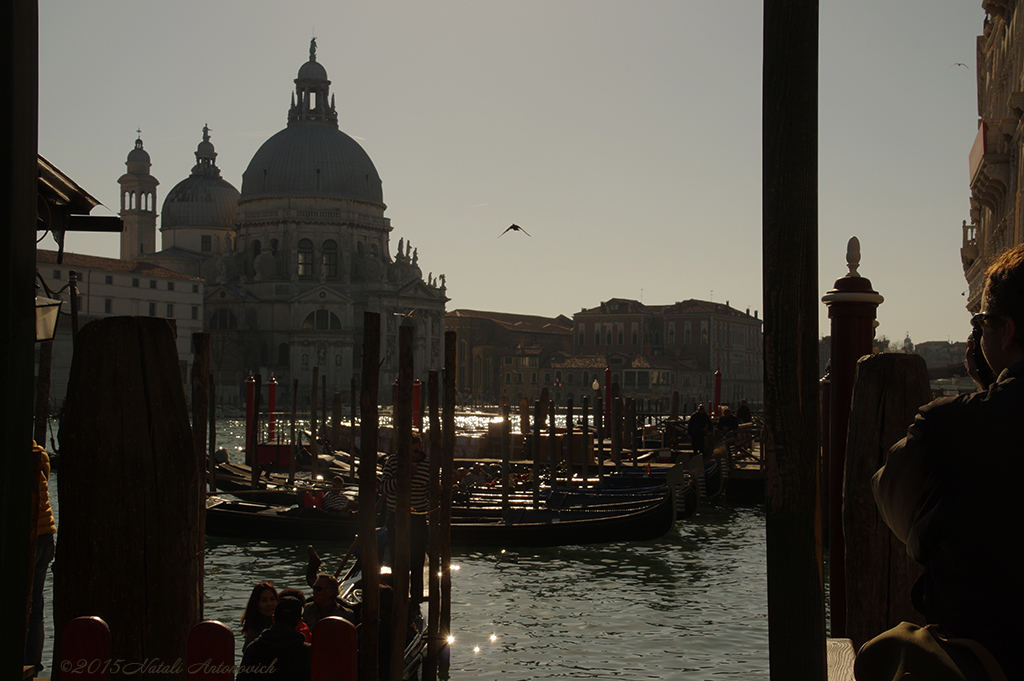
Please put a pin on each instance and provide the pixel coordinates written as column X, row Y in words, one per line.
column 960, row 63
column 514, row 228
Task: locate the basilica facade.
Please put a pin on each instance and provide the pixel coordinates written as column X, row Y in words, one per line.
column 292, row 261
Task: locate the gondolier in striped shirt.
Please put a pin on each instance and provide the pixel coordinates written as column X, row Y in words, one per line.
column 419, row 501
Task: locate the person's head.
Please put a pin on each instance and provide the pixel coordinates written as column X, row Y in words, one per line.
column 416, row 447
column 743, row 403
column 338, row 483
column 700, row 407
column 325, row 590
column 262, row 601
column 292, row 593
column 726, row 411
column 1002, row 325
column 288, row 612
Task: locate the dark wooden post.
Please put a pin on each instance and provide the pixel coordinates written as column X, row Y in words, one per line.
column 403, row 494
column 336, row 421
column 552, row 446
column 506, row 452
column 434, row 642
column 369, row 644
column 211, row 446
column 129, row 448
column 323, row 405
column 889, row 389
column 796, row 620
column 674, row 415
column 599, row 436
column 18, row 194
column 447, row 469
column 631, row 430
column 586, row 442
column 570, row 465
column 851, row 307
column 616, row 431
column 352, row 431
column 43, row 391
column 200, row 412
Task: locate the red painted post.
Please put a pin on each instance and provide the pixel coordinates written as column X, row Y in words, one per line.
column 271, row 406
column 249, row 389
column 852, row 304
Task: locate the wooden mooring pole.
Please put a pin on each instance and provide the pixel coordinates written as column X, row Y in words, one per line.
column 796, row 608
column 401, row 442
column 434, row 640
column 369, row 644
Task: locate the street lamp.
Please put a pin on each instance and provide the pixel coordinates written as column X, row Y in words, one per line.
column 47, row 311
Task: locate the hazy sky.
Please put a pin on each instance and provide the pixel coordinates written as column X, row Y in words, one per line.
column 625, row 137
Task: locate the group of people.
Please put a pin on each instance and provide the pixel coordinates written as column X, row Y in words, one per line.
column 700, row 423
column 277, row 627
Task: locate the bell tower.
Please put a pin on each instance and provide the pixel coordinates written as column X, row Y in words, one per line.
column 138, row 204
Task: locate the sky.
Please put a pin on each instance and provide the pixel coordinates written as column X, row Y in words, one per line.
column 624, row 137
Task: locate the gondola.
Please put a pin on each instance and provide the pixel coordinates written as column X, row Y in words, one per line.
column 254, row 520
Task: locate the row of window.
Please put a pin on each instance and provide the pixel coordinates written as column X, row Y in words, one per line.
column 136, row 282
column 108, row 308
column 318, row 320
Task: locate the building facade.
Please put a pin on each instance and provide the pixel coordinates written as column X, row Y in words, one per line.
column 292, row 261
column 996, row 174
column 110, row 287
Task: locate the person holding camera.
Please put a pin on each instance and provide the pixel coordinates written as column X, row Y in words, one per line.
column 950, row 491
column 419, row 501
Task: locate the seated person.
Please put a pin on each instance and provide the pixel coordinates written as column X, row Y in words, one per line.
column 325, row 602
column 280, row 652
column 259, row 611
column 728, row 424
column 301, row 598
column 336, row 501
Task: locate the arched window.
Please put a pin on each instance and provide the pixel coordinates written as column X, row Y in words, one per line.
column 322, row 320
column 283, row 355
column 222, row 320
column 256, row 248
column 305, row 258
column 330, row 261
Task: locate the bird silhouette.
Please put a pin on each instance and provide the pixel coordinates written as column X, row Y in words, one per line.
column 513, row 228
column 960, row 63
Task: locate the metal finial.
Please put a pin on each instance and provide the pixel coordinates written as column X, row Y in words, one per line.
column 853, row 256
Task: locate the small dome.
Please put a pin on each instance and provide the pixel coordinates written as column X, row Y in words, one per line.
column 138, row 154
column 312, row 70
column 200, row 201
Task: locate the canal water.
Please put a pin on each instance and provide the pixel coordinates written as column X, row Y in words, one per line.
column 691, row 605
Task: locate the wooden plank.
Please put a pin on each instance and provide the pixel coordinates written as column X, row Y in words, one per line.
column 840, row 655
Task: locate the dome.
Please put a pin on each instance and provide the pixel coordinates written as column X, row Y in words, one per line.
column 200, row 201
column 312, row 160
column 312, row 70
column 138, row 154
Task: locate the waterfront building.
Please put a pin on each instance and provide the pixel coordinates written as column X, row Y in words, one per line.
column 996, row 217
column 501, row 354
column 111, row 287
column 292, row 261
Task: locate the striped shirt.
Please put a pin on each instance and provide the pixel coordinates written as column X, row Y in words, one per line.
column 420, row 484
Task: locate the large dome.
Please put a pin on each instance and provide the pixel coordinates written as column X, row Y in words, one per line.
column 204, row 198
column 312, row 159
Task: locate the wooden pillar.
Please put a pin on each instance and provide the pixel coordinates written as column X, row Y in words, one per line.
column 552, row 446
column 570, row 466
column 599, row 436
column 200, row 412
column 254, row 430
column 434, row 640
column 336, row 421
column 129, row 443
column 447, row 470
column 796, row 620
column 506, row 452
column 851, row 306
column 296, row 441
column 211, row 445
column 616, row 431
column 369, row 644
column 352, row 431
column 19, row 47
column 401, row 442
column 889, row 389
column 585, row 448
column 43, row 392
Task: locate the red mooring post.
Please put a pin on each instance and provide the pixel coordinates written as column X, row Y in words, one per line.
column 250, row 384
column 271, row 406
column 852, row 305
